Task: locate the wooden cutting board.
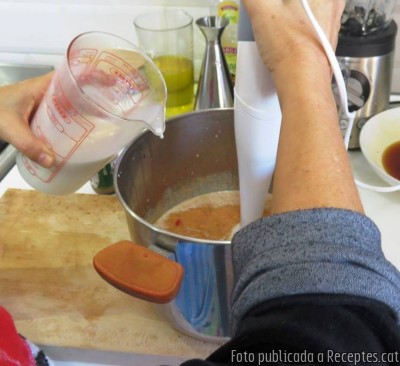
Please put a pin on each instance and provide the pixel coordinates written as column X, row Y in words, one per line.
column 48, row 283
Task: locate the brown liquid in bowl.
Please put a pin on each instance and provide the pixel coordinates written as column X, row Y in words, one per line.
column 213, row 216
column 391, row 160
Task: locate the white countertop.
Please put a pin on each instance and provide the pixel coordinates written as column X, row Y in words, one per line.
column 14, row 180
column 382, row 208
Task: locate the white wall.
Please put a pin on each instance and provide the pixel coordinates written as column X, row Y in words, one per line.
column 47, row 26
column 39, row 31
column 36, row 28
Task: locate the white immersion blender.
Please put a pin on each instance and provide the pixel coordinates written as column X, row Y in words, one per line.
column 257, row 120
column 258, row 116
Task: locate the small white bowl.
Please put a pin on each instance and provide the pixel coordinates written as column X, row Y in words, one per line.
column 377, row 134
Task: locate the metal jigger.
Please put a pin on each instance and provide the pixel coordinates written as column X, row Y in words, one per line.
column 215, row 89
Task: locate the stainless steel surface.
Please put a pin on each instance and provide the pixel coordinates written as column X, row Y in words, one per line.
column 215, row 89
column 369, row 88
column 63, row 356
column 7, row 160
column 196, row 156
column 10, row 74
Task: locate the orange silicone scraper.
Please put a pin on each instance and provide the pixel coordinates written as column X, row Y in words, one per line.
column 139, row 271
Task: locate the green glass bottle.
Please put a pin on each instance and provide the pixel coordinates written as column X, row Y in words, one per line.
column 103, row 181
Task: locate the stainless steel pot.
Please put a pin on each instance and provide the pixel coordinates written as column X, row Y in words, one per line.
column 196, row 156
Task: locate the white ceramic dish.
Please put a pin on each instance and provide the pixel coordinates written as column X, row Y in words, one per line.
column 378, row 133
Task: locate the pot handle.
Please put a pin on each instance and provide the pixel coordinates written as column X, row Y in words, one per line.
column 139, row 272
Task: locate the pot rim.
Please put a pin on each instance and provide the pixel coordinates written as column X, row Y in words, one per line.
column 139, row 218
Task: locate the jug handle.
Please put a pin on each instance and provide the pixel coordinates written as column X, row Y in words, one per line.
column 139, row 272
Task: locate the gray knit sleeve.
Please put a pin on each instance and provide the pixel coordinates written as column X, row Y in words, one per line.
column 326, row 250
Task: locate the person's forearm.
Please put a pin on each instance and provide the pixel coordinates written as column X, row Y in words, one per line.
column 312, row 165
column 310, row 143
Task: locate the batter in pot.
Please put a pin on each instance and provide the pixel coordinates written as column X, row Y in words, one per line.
column 212, row 216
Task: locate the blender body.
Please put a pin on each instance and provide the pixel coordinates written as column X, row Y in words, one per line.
column 365, row 48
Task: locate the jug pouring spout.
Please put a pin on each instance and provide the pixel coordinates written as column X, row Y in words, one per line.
column 151, row 117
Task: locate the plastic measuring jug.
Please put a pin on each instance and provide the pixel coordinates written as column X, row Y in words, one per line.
column 104, row 94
